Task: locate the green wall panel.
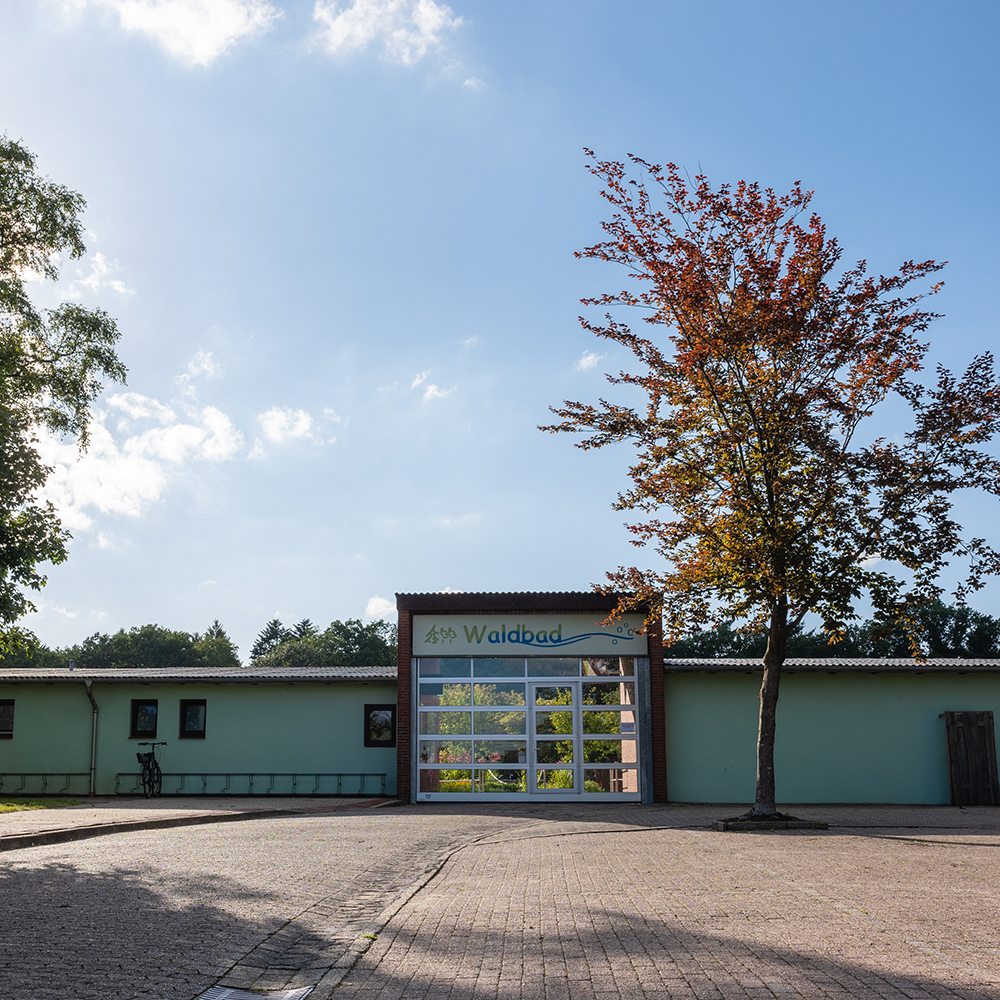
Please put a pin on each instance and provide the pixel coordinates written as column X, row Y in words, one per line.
column 842, row 737
column 260, row 728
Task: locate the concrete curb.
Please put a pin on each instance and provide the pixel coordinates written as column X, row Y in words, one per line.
column 67, row 834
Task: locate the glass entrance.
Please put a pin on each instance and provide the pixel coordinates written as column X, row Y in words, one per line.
column 513, row 727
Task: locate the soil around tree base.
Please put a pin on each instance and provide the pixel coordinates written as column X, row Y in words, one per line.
column 779, row 821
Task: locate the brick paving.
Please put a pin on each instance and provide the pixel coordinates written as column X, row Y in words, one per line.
column 505, row 902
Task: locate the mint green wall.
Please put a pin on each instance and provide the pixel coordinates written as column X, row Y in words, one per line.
column 840, row 737
column 260, row 728
column 51, row 732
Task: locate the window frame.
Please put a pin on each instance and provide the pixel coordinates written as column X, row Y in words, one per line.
column 8, row 734
column 389, row 707
column 134, row 733
column 192, row 734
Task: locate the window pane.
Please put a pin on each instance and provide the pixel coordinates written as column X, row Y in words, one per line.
column 554, row 751
column 143, row 719
column 498, row 666
column 553, row 696
column 445, row 666
column 553, row 722
column 609, row 752
column 612, row 779
column 192, row 718
column 609, row 666
column 551, row 778
column 554, row 666
column 446, row 723
column 609, row 722
column 445, row 694
column 501, row 751
column 454, row 781
column 6, row 718
column 500, row 723
column 445, row 751
column 622, row 693
column 499, row 694
column 380, row 725
column 501, row 779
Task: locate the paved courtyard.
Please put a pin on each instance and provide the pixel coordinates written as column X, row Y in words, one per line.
column 513, row 902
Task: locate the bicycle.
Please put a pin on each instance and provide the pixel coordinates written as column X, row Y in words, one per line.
column 152, row 776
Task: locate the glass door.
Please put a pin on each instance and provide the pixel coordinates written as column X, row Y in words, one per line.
column 554, row 736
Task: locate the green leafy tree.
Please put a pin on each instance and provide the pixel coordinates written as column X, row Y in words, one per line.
column 756, row 479
column 352, row 643
column 53, row 364
column 295, row 654
column 215, row 649
column 146, row 647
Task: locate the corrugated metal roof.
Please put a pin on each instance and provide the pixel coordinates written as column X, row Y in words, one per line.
column 189, row 675
column 508, row 601
column 833, row 664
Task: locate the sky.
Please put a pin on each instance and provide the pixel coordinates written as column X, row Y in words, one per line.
column 338, row 239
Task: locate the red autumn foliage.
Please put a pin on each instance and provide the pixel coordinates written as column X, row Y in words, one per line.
column 761, row 362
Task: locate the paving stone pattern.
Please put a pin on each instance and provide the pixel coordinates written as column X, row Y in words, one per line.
column 691, row 914
column 166, row 914
column 565, row 903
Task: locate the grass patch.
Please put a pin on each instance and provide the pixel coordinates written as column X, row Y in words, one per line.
column 19, row 805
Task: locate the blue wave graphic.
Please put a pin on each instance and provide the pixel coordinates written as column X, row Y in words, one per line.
column 549, row 643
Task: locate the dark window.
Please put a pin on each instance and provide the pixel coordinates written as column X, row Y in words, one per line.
column 380, row 725
column 143, row 720
column 193, row 720
column 6, row 720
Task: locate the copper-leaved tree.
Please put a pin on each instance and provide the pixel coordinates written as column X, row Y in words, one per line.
column 754, row 476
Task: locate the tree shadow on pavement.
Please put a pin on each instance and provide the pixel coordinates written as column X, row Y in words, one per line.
column 621, row 954
column 124, row 933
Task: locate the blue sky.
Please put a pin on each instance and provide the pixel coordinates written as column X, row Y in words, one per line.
column 338, row 239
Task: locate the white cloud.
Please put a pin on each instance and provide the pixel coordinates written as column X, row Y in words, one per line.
column 406, row 29
column 332, row 416
column 102, row 275
column 203, row 363
column 138, row 406
column 126, row 477
column 422, row 377
column 281, row 423
column 470, row 342
column 587, row 361
column 380, row 607
column 433, row 392
column 473, row 82
column 196, row 32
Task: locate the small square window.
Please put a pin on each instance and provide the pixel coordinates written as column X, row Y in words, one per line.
column 6, row 720
column 193, row 720
column 143, row 720
column 380, row 725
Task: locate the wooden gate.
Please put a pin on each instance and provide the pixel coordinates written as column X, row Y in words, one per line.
column 972, row 759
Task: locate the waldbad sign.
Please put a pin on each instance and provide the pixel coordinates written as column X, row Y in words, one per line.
column 526, row 635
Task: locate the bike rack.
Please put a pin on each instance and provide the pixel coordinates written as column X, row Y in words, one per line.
column 46, row 776
column 227, row 779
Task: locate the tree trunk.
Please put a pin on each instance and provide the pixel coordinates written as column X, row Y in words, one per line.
column 774, row 657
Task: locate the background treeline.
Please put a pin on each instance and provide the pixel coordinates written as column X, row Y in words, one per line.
column 152, row 647
column 947, row 632
column 350, row 644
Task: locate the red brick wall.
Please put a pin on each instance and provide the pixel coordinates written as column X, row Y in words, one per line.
column 659, row 713
column 404, row 712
